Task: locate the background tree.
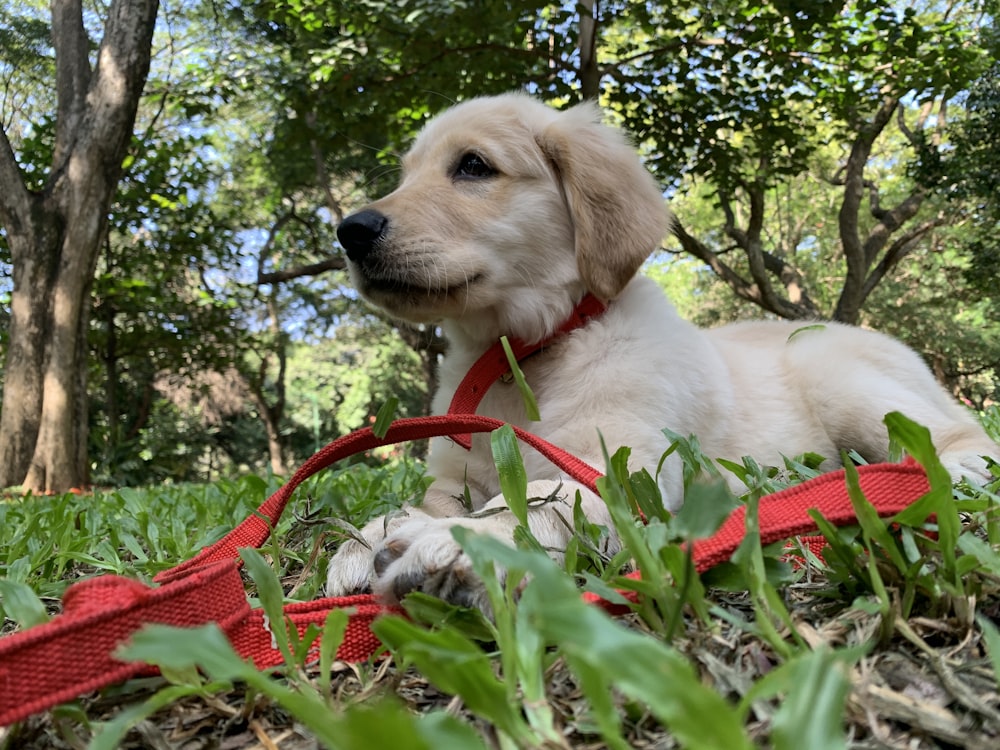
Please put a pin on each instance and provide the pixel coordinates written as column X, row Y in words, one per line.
column 162, row 311
column 743, row 97
column 738, row 97
column 54, row 227
column 789, row 126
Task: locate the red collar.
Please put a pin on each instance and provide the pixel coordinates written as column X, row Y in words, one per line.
column 493, row 365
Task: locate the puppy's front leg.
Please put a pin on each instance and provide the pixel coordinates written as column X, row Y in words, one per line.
column 352, row 568
column 422, row 555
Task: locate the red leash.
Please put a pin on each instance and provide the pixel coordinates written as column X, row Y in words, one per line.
column 493, row 365
column 890, row 488
column 73, row 653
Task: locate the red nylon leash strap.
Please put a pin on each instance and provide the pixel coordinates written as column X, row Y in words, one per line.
column 890, row 488
column 74, row 653
column 493, row 365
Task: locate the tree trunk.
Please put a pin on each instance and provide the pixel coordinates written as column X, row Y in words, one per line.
column 59, row 461
column 275, row 449
column 55, row 236
column 22, row 405
column 271, row 416
column 590, row 73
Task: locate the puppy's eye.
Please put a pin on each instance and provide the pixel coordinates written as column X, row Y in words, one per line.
column 473, row 167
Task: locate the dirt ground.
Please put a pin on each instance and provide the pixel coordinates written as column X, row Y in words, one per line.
column 926, row 683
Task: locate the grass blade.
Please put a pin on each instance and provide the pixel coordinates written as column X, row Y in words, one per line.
column 510, row 469
column 456, row 665
column 916, row 440
column 640, row 666
column 272, row 598
column 530, row 404
column 383, row 420
column 814, row 688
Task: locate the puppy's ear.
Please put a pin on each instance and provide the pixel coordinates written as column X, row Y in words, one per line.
column 617, row 209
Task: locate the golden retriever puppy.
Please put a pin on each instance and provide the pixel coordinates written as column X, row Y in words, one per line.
column 508, row 213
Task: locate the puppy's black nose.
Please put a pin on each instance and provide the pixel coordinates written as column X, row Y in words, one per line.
column 360, row 232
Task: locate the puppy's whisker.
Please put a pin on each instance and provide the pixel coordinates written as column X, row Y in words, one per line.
column 441, row 95
column 368, row 147
column 373, row 176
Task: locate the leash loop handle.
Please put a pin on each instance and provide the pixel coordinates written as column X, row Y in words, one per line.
column 254, row 530
column 74, row 653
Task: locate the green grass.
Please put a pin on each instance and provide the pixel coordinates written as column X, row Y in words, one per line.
column 890, row 642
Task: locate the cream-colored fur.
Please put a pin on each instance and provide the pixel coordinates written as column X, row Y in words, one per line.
column 565, row 207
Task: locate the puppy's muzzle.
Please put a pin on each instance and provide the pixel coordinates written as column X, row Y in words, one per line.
column 362, row 232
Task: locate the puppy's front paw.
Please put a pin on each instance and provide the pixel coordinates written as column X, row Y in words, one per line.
column 425, row 557
column 352, row 568
column 971, row 466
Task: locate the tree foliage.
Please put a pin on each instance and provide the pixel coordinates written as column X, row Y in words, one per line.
column 968, row 174
column 357, row 80
column 745, row 97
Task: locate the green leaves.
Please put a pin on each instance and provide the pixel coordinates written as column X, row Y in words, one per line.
column 206, row 648
column 510, row 470
column 456, row 665
column 694, row 663
column 605, row 654
column 20, row 603
column 530, row 404
column 706, row 505
column 383, row 419
column 916, row 440
column 991, row 635
column 814, row 687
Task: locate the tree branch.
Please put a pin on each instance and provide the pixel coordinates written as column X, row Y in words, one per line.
column 335, row 263
column 904, row 128
column 874, row 198
column 590, row 73
column 272, row 234
column 72, row 48
column 911, row 133
column 740, row 286
column 730, row 227
column 763, row 264
column 799, row 304
column 118, row 79
column 753, row 249
column 899, row 249
column 889, row 222
column 322, row 175
column 15, row 200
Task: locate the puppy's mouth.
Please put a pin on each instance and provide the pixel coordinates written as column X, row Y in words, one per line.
column 394, row 291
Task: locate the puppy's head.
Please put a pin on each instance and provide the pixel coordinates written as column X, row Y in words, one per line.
column 507, row 212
